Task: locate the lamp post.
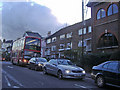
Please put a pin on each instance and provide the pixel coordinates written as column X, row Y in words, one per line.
column 83, row 29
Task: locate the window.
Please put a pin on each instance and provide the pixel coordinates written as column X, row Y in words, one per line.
column 101, row 13
column 69, row 35
column 69, row 45
column 84, row 32
column 113, row 9
column 107, row 40
column 89, row 29
column 62, row 46
column 80, row 43
column 53, row 39
column 53, row 48
column 62, row 36
column 48, row 41
column 113, row 66
column 105, row 66
column 80, row 32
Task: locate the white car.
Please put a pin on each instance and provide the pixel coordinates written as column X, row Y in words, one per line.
column 63, row 68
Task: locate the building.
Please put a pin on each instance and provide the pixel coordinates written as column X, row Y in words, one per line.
column 105, row 18
column 69, row 38
column 7, row 45
column 100, row 33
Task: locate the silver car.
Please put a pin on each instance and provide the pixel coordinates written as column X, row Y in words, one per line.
column 63, row 68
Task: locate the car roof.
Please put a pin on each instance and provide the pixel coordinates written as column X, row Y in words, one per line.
column 109, row 62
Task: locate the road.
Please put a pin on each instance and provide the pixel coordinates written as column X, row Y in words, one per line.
column 21, row 77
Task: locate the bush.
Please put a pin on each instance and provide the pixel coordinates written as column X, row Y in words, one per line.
column 91, row 60
column 115, row 55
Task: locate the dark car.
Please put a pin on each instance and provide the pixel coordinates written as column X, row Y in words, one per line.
column 107, row 73
column 63, row 68
column 36, row 63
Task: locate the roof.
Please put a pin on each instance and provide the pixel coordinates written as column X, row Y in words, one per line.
column 8, row 41
column 70, row 28
column 34, row 34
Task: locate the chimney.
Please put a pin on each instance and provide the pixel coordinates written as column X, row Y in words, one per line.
column 4, row 40
column 49, row 33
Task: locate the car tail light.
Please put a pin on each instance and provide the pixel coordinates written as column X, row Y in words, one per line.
column 25, row 60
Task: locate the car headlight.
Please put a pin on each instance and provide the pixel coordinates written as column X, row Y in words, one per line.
column 40, row 64
column 83, row 72
column 67, row 71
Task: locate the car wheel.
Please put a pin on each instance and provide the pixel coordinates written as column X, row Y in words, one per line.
column 44, row 71
column 13, row 62
column 100, row 81
column 60, row 76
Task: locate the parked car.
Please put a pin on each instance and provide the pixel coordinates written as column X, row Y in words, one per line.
column 36, row 63
column 107, row 73
column 63, row 68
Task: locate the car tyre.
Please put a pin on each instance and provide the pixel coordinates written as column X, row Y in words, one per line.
column 44, row 70
column 13, row 62
column 100, row 81
column 60, row 75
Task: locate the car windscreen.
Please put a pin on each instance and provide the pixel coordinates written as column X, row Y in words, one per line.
column 64, row 62
column 41, row 60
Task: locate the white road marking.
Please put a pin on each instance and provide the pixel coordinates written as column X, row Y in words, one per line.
column 8, row 83
column 79, row 86
column 12, row 78
column 10, row 67
column 16, row 87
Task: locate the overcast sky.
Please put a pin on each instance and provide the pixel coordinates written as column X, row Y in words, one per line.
column 40, row 16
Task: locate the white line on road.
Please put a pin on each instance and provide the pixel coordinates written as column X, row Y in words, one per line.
column 79, row 86
column 12, row 78
column 10, row 67
column 8, row 83
column 16, row 87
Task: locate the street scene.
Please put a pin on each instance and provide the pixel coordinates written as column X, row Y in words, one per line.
column 21, row 77
column 60, row 44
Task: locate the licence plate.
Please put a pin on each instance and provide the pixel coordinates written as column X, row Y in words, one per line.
column 77, row 75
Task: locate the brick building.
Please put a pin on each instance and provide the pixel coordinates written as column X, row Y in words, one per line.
column 100, row 32
column 69, row 38
column 106, row 27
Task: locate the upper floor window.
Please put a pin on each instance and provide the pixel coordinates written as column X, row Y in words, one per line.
column 84, row 32
column 80, row 32
column 69, row 45
column 89, row 29
column 62, row 46
column 113, row 9
column 53, row 39
column 53, row 48
column 69, row 35
column 48, row 41
column 101, row 13
column 62, row 36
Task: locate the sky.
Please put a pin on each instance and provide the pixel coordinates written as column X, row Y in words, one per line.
column 40, row 16
column 66, row 11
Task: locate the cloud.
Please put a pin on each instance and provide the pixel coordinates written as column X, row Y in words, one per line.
column 17, row 17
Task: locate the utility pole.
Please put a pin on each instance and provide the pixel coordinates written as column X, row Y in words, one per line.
column 83, row 29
